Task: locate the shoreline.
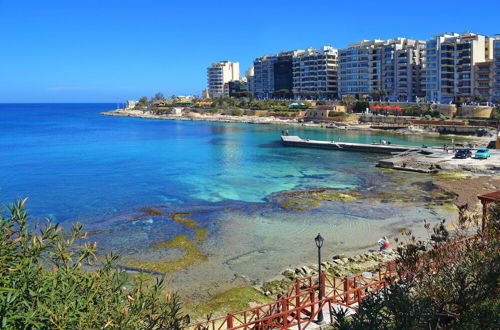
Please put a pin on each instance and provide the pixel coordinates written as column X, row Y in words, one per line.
column 280, row 121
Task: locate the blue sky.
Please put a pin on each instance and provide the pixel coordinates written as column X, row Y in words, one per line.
column 113, row 50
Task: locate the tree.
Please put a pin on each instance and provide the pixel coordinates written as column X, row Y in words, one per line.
column 361, row 106
column 49, row 280
column 348, row 101
column 158, row 97
column 449, row 281
column 378, row 94
column 143, row 101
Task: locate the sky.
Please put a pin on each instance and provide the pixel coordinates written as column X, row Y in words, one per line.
column 117, row 50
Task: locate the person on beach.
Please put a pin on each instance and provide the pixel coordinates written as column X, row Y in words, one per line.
column 384, row 243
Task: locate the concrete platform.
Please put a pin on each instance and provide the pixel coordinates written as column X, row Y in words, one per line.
column 296, row 141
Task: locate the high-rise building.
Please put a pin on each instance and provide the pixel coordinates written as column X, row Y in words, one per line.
column 219, row 74
column 392, row 66
column 264, row 76
column 449, row 65
column 315, row 73
column 483, row 81
column 496, row 69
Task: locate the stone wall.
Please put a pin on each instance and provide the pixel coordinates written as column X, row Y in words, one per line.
column 475, row 111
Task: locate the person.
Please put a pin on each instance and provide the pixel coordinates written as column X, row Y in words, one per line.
column 384, row 243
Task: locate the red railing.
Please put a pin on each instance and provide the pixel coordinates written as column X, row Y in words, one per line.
column 299, row 305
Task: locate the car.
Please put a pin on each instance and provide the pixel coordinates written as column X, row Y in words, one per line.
column 463, row 153
column 483, row 153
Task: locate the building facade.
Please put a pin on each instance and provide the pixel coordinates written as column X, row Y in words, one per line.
column 496, row 69
column 483, row 81
column 315, row 73
column 392, row 66
column 218, row 74
column 449, row 64
column 264, row 76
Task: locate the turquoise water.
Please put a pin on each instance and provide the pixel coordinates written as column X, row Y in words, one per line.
column 76, row 165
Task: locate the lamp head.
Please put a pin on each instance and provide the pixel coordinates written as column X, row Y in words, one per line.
column 319, row 241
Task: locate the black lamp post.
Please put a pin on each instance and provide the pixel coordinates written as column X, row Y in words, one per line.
column 319, row 243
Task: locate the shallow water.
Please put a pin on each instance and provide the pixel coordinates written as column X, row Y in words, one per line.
column 76, row 165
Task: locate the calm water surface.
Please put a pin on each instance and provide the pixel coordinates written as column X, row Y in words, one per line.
column 76, row 165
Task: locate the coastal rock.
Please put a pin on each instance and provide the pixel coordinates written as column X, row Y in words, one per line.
column 306, row 270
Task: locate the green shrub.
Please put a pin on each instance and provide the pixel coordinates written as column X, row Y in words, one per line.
column 48, row 280
column 236, row 112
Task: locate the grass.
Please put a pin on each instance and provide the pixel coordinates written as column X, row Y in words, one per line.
column 192, row 255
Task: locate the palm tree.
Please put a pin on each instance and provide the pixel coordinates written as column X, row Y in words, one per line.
column 349, row 101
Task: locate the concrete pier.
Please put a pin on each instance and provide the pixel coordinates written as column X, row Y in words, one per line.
column 295, row 141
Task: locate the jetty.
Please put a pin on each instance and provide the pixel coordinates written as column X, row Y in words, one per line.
column 381, row 148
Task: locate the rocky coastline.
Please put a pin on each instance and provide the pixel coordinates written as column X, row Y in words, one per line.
column 267, row 120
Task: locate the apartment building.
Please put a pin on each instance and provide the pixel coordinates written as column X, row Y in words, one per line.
column 390, row 65
column 449, row 64
column 263, row 84
column 315, row 73
column 249, row 74
column 496, row 70
column 483, row 81
column 218, row 74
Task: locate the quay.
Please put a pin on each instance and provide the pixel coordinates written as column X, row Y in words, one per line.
column 295, row 141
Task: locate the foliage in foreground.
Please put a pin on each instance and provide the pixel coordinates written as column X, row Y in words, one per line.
column 47, row 280
column 449, row 282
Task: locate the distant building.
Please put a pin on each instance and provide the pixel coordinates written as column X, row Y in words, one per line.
column 219, row 74
column 483, row 81
column 205, row 94
column 496, row 70
column 249, row 74
column 236, row 88
column 450, row 62
column 390, row 65
column 264, row 76
column 176, row 111
column 315, row 73
column 130, row 104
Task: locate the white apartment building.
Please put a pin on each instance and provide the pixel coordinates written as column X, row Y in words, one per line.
column 249, row 74
column 496, row 69
column 450, row 62
column 390, row 65
column 218, row 74
column 315, row 73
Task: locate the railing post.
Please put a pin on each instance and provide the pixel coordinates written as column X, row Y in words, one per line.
column 312, row 296
column 346, row 290
column 284, row 309
column 323, row 291
column 297, row 292
column 229, row 321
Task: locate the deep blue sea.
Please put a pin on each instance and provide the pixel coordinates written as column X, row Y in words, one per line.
column 77, row 165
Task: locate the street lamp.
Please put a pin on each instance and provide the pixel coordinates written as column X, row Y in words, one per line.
column 319, row 243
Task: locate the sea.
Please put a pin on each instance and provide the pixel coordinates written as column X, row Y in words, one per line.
column 108, row 173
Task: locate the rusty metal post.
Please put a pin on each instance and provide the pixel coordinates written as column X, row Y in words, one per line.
column 312, row 297
column 485, row 215
column 229, row 321
column 297, row 292
column 284, row 309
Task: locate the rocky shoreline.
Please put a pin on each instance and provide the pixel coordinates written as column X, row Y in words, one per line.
column 279, row 121
column 366, row 264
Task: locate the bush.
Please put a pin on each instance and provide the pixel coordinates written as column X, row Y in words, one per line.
column 48, row 280
column 361, row 106
column 236, row 112
column 447, row 282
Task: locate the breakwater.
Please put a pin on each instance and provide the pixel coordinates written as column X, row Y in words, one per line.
column 295, row 141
